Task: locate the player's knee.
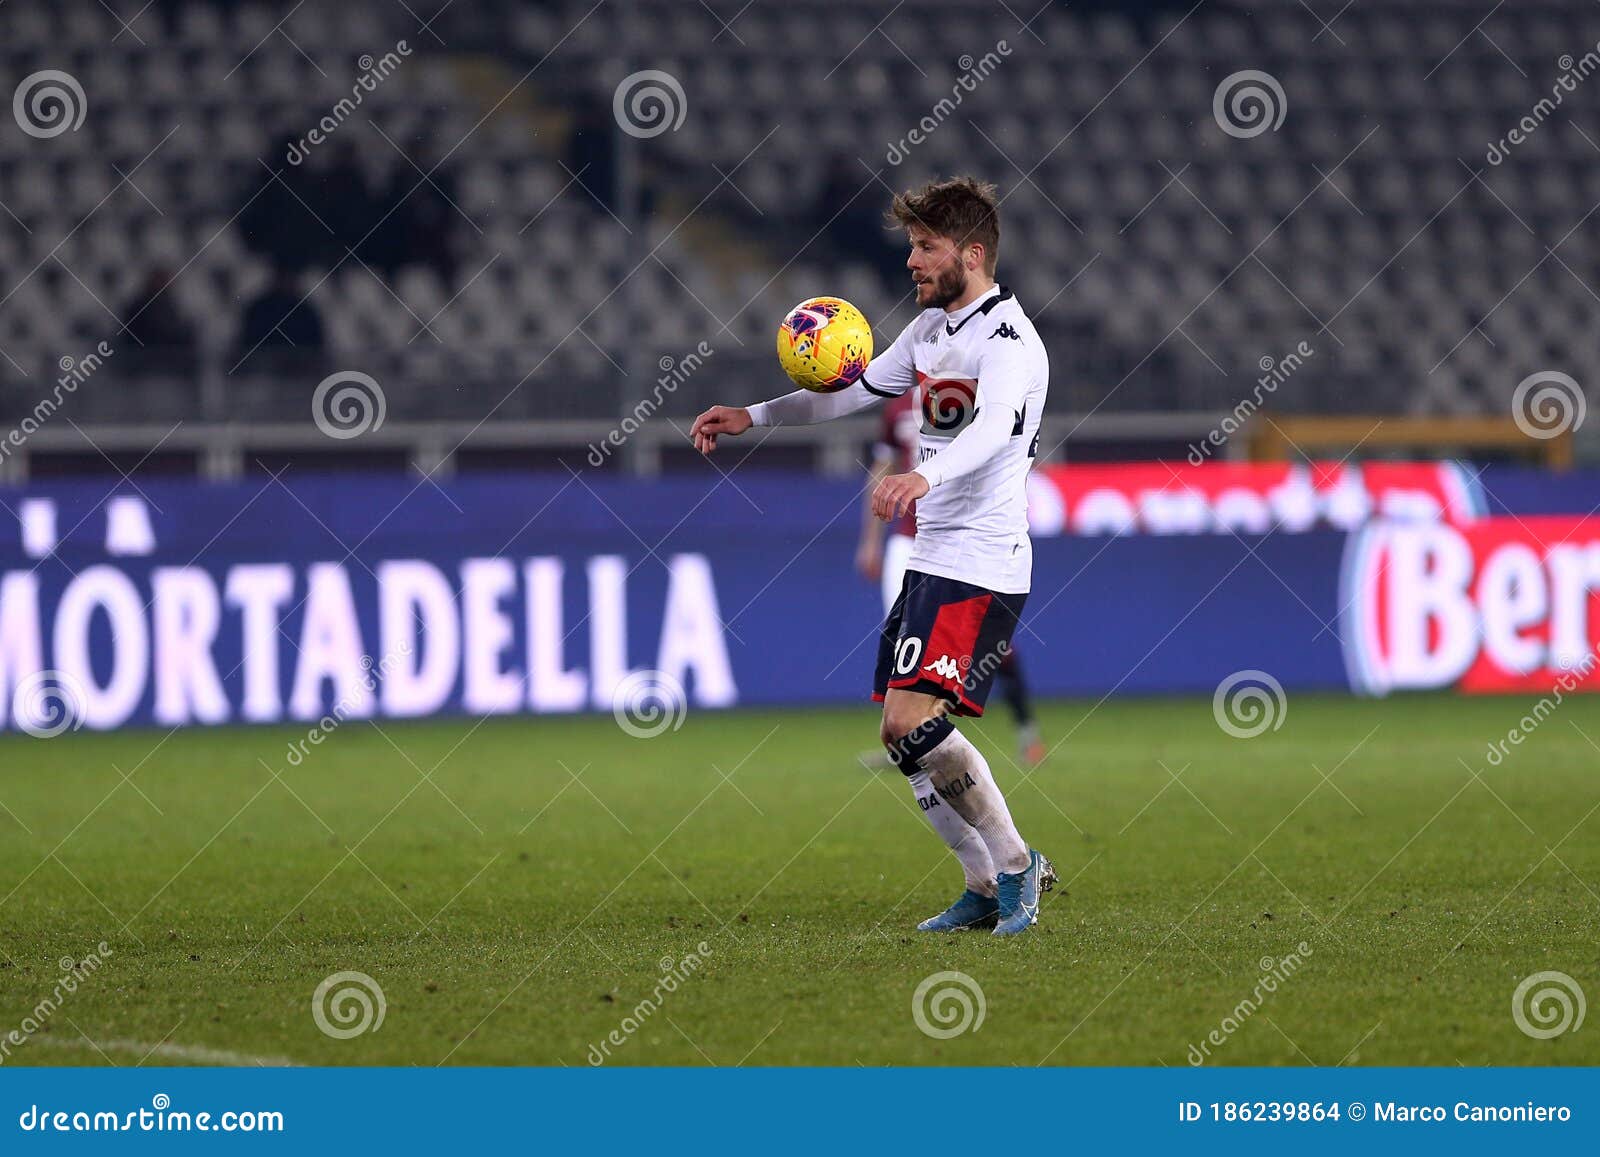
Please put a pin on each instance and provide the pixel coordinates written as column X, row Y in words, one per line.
column 899, row 720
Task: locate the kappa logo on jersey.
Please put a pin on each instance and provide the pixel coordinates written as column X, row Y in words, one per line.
column 944, row 666
column 1006, row 330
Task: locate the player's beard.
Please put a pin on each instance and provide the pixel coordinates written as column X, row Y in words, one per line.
column 946, row 287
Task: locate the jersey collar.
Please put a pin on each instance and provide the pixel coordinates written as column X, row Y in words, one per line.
column 982, row 306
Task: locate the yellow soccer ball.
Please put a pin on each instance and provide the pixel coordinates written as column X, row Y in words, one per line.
column 824, row 344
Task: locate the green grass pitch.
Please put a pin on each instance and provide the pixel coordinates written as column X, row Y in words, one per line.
column 516, row 888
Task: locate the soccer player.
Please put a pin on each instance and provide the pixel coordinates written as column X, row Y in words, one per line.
column 883, row 552
column 982, row 374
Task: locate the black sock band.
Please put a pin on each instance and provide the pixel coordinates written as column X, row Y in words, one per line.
column 906, row 752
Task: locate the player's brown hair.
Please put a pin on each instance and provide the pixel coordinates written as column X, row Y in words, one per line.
column 963, row 209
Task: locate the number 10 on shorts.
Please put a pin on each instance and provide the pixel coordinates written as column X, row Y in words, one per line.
column 906, row 653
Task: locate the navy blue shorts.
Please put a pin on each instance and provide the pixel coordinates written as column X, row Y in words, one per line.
column 945, row 638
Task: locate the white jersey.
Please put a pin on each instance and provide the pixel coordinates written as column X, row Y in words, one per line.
column 984, row 374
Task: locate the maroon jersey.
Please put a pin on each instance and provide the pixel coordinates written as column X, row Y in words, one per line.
column 898, row 442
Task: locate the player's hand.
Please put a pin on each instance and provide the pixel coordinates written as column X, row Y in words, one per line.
column 869, row 559
column 896, row 493
column 718, row 420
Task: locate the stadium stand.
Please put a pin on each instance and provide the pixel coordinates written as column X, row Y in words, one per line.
column 1163, row 257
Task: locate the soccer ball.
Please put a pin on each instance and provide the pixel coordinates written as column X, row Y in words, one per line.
column 824, row 344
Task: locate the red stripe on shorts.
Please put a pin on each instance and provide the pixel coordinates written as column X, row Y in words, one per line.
column 955, row 637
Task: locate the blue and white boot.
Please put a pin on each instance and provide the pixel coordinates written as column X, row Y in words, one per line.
column 1018, row 898
column 969, row 911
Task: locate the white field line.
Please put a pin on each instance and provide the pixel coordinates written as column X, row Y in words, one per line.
column 192, row 1054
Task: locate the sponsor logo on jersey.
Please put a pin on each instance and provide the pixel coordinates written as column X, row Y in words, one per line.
column 945, row 667
column 948, row 404
column 1007, row 331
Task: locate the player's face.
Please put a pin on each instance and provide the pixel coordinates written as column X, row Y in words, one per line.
column 937, row 268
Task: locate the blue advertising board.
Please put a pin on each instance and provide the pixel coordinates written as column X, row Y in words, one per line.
column 179, row 604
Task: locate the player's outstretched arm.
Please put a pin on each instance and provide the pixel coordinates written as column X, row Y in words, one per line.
column 801, row 408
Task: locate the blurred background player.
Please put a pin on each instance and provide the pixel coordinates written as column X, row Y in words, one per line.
column 884, row 550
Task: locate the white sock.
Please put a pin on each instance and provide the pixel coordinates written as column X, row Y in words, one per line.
column 961, row 837
column 961, row 776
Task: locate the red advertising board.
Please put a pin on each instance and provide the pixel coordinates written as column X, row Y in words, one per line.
column 1503, row 604
column 1246, row 497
